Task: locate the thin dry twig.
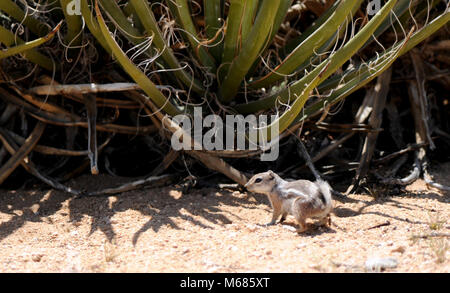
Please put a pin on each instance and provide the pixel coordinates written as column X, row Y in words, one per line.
column 19, row 154
column 209, row 161
column 420, row 100
column 413, row 176
column 154, row 181
column 91, row 109
column 425, row 236
column 380, row 92
column 91, row 88
column 64, row 118
column 57, row 151
column 389, row 157
column 385, row 223
column 12, row 148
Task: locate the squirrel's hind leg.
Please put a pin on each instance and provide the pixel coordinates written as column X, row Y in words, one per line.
column 283, row 217
column 325, row 221
column 302, row 225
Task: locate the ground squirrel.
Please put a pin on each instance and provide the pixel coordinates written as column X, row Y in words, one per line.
column 301, row 198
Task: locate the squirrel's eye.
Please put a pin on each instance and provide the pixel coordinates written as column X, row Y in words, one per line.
column 258, row 180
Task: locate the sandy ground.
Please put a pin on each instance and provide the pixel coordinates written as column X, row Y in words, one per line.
column 207, row 230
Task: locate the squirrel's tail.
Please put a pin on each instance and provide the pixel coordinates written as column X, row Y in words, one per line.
column 317, row 175
column 325, row 190
column 308, row 160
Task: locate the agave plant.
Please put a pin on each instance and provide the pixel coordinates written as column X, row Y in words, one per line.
column 227, row 57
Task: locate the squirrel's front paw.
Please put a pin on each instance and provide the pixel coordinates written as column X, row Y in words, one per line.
column 266, row 225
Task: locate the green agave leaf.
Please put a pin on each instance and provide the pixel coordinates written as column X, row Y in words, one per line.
column 240, row 20
column 93, row 25
column 280, row 16
column 116, row 14
column 130, row 12
column 10, row 39
column 136, row 37
column 213, row 14
column 145, row 14
column 34, row 25
column 288, row 117
column 292, row 44
column 327, row 46
column 232, row 36
column 418, row 37
column 28, row 45
column 427, row 31
column 306, row 48
column 138, row 76
column 183, row 14
column 74, row 23
column 366, row 74
column 335, row 61
column 248, row 18
column 250, row 50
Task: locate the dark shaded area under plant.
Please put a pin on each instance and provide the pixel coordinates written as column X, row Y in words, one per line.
column 406, row 129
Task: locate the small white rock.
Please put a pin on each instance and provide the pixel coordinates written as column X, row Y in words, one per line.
column 290, row 228
column 37, row 257
column 251, row 227
column 378, row 264
column 214, row 269
column 232, row 248
column 301, row 245
column 232, row 234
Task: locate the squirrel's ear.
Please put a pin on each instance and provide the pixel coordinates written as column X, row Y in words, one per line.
column 271, row 174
